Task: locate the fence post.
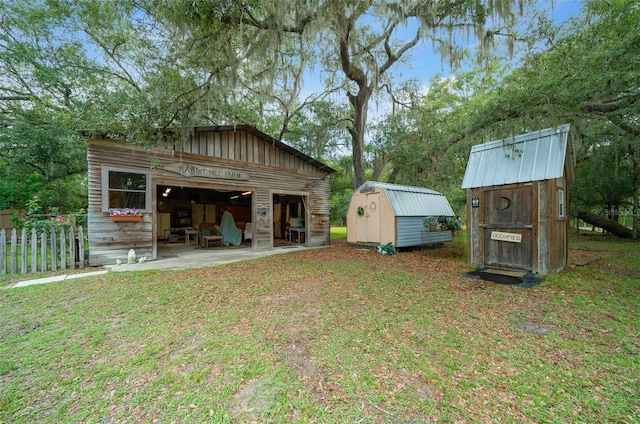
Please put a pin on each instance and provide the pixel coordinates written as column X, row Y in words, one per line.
column 81, row 246
column 3, row 251
column 54, row 250
column 43, row 251
column 14, row 250
column 34, row 250
column 23, row 251
column 73, row 248
column 63, row 249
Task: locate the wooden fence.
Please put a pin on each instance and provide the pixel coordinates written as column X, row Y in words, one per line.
column 5, row 219
column 24, row 252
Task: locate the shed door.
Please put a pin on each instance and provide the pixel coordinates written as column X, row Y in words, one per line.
column 368, row 225
column 508, row 230
column 372, row 212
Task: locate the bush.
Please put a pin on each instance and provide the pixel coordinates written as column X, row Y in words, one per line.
column 35, row 218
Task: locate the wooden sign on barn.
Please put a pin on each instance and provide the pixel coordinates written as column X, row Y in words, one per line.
column 517, row 201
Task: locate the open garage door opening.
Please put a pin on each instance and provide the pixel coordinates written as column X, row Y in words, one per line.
column 182, row 211
column 289, row 219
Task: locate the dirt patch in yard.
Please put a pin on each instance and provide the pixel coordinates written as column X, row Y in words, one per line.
column 317, row 381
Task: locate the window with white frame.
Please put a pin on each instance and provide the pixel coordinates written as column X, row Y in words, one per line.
column 124, row 188
column 561, row 204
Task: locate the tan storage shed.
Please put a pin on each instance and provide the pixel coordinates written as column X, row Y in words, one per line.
column 380, row 213
column 517, row 197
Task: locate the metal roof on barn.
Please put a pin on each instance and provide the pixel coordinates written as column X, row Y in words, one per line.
column 528, row 157
column 413, row 201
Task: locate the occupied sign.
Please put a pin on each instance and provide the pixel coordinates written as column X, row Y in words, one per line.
column 512, row 237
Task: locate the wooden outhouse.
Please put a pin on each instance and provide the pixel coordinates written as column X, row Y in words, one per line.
column 517, row 201
column 195, row 178
column 380, row 213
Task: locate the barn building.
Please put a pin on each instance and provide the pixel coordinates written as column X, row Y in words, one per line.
column 517, row 201
column 380, row 213
column 192, row 181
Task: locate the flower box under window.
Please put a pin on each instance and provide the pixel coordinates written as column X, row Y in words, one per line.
column 126, row 218
column 125, row 215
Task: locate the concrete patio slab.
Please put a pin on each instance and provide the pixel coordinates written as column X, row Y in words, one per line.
column 177, row 256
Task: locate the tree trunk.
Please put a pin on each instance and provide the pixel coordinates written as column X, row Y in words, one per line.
column 378, row 167
column 635, row 174
column 360, row 104
column 606, row 224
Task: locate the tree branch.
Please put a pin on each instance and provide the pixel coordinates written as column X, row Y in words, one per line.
column 623, row 100
column 616, row 120
column 127, row 77
column 16, row 98
column 350, row 71
column 393, row 58
column 511, row 114
column 607, row 108
column 250, row 20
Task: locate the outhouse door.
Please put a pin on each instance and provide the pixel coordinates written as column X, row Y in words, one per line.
column 508, row 229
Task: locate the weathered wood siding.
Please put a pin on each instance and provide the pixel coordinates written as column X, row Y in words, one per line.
column 110, row 240
column 235, row 146
column 560, row 230
column 553, row 233
column 475, row 216
column 270, row 170
column 547, row 237
column 5, row 219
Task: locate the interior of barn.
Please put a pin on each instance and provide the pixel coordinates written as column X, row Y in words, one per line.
column 181, row 211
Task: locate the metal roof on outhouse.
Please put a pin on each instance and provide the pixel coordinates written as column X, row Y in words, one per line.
column 528, row 157
column 413, row 201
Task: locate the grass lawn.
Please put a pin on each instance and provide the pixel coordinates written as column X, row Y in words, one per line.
column 336, row 335
column 338, row 232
